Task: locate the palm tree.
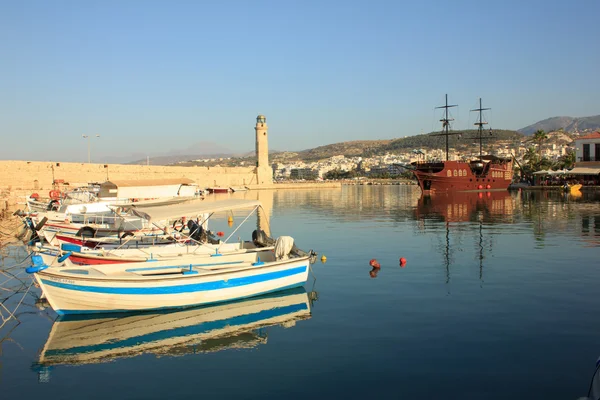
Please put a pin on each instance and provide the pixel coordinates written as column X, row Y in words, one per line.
column 532, row 157
column 539, row 136
column 567, row 161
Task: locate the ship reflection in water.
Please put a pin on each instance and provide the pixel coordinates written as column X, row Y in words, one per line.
column 452, row 209
column 493, row 206
column 91, row 339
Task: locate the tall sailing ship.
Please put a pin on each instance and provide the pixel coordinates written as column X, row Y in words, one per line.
column 486, row 172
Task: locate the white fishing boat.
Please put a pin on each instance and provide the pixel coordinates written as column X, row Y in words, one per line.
column 209, row 257
column 90, row 340
column 98, row 214
column 195, row 241
column 172, row 283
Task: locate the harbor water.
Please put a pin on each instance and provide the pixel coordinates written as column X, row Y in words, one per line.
column 498, row 299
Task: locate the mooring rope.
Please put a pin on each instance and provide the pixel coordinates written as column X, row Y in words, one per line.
column 12, row 314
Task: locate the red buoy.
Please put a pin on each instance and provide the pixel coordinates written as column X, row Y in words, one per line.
column 402, row 260
column 488, row 186
column 373, row 263
column 54, row 194
column 220, row 233
column 34, row 196
column 480, row 187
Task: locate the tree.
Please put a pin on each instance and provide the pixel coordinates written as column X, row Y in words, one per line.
column 531, row 157
column 540, row 136
column 567, row 161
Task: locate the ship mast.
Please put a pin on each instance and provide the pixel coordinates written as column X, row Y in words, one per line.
column 446, row 123
column 480, row 124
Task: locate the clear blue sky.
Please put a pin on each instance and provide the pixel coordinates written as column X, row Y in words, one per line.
column 155, row 76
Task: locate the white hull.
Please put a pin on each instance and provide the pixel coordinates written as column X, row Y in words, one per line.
column 159, row 264
column 84, row 290
column 102, row 339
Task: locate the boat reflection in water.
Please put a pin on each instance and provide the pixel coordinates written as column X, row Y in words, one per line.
column 493, row 206
column 455, row 208
column 92, row 339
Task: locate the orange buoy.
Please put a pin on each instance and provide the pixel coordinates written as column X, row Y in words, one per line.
column 54, row 194
column 480, row 187
column 220, row 234
column 34, row 196
column 488, row 187
column 373, row 263
column 402, row 260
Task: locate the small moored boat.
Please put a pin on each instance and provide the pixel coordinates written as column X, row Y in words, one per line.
column 180, row 282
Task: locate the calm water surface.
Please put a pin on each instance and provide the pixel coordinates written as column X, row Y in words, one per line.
column 498, row 299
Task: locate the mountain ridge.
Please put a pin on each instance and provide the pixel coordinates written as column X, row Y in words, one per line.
column 567, row 124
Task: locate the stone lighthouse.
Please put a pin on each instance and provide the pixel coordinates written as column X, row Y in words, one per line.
column 264, row 172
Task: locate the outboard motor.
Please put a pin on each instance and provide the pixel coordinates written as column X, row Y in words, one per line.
column 196, row 231
column 260, row 239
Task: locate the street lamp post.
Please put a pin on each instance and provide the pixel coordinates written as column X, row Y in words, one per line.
column 88, row 140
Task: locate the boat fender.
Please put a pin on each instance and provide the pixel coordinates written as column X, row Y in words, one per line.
column 65, row 256
column 37, row 266
column 54, row 205
column 70, row 247
column 126, row 234
column 86, row 231
column 258, row 262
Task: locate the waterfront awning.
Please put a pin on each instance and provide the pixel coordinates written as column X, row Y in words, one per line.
column 189, row 210
column 584, row 171
column 553, row 173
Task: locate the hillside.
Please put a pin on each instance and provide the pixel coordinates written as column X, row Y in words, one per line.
column 368, row 148
column 349, row 149
column 176, row 158
column 466, row 138
column 568, row 124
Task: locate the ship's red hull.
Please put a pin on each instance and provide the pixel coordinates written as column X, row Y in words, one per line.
column 459, row 176
column 218, row 190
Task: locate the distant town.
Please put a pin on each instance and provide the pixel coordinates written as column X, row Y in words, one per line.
column 541, row 150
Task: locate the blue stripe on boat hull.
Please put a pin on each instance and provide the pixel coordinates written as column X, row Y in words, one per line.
column 200, row 328
column 79, row 312
column 178, row 289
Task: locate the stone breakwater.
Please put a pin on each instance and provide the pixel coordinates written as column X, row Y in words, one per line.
column 21, row 178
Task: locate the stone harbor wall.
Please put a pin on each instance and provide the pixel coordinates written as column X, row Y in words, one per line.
column 21, row 178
